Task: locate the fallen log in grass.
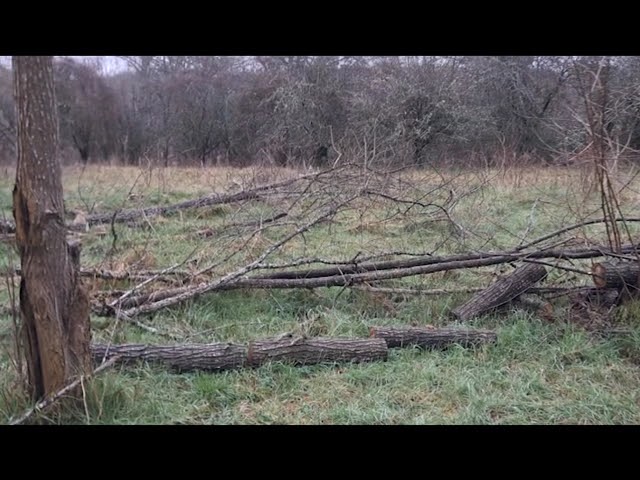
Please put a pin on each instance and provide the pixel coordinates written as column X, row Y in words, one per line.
column 183, row 357
column 616, row 275
column 430, row 337
column 228, row 356
column 290, row 348
column 299, row 350
column 239, row 280
column 501, row 292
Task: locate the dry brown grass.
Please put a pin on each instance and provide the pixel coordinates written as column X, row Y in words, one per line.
column 142, row 180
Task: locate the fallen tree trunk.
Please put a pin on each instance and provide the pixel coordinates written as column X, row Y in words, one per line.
column 427, row 337
column 135, row 301
column 466, row 260
column 206, row 201
column 138, row 213
column 178, row 295
column 309, row 351
column 455, row 291
column 183, row 358
column 616, row 275
column 501, row 292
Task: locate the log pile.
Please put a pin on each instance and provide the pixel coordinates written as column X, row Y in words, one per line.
column 150, row 291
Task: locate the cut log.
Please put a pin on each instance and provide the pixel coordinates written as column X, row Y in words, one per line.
column 309, row 351
column 502, row 291
column 427, row 337
column 616, row 275
column 183, row 358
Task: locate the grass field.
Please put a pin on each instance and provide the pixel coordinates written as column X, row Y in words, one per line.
column 537, row 372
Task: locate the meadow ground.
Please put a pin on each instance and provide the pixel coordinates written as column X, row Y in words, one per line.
column 538, row 371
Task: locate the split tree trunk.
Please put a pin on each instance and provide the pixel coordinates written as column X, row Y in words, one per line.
column 616, row 275
column 309, row 351
column 501, row 292
column 54, row 306
column 183, row 358
column 431, row 337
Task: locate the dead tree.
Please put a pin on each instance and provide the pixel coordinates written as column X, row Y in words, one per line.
column 502, row 291
column 429, row 337
column 54, row 307
column 308, row 351
column 616, row 275
column 183, row 358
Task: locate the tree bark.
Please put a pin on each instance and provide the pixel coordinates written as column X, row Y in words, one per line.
column 616, row 275
column 310, row 351
column 426, row 337
column 183, row 358
column 53, row 304
column 503, row 291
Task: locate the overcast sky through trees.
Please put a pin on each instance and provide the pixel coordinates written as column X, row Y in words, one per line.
column 109, row 65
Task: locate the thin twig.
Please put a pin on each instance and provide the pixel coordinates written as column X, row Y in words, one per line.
column 572, row 227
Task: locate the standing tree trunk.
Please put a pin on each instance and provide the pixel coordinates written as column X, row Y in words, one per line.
column 54, row 306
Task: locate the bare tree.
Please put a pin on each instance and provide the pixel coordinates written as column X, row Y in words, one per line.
column 54, row 307
column 88, row 110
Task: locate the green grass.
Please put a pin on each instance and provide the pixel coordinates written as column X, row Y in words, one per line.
column 536, row 373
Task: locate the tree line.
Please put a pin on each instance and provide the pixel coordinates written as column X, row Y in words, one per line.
column 310, row 110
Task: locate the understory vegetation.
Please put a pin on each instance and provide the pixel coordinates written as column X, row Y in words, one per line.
column 540, row 370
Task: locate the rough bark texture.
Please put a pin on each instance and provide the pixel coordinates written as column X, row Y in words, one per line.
column 309, row 351
column 54, row 306
column 431, row 337
column 616, row 275
column 183, row 358
column 504, row 290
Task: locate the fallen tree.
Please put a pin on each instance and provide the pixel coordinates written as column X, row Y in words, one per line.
column 149, row 212
column 239, row 280
column 456, row 261
column 502, row 291
column 128, row 215
column 217, row 357
column 429, row 337
column 616, row 275
column 183, row 358
column 299, row 350
column 289, row 348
